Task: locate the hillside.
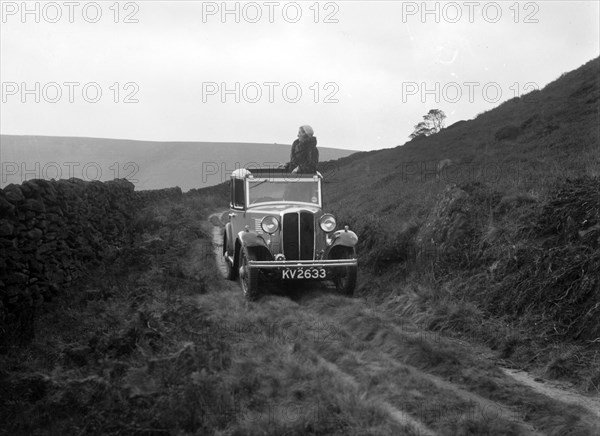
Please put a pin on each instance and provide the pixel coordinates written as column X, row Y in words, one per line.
column 148, row 164
column 477, row 310
column 501, row 244
column 523, row 144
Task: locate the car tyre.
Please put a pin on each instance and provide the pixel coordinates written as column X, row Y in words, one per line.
column 248, row 276
column 231, row 272
column 345, row 281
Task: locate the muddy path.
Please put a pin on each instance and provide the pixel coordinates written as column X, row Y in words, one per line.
column 418, row 382
column 554, row 390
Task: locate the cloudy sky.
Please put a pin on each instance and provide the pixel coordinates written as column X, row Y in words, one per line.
column 361, row 73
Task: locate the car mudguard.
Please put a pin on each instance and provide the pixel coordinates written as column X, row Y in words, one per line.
column 229, row 238
column 255, row 243
column 345, row 238
column 251, row 239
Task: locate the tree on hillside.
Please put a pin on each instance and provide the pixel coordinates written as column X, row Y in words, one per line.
column 432, row 123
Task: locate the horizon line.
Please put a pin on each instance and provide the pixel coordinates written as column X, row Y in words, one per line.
column 182, row 142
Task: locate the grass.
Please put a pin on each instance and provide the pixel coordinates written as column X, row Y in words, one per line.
column 154, row 342
column 113, row 354
column 150, row 343
column 498, row 254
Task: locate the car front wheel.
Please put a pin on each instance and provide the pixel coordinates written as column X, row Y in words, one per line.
column 345, row 278
column 248, row 276
column 230, row 270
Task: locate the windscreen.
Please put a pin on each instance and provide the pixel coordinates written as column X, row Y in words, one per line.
column 269, row 190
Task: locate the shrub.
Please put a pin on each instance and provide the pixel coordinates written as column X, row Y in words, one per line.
column 552, row 278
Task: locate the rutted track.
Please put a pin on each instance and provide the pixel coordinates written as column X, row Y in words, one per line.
column 423, row 385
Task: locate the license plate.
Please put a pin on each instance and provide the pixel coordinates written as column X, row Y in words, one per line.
column 304, row 273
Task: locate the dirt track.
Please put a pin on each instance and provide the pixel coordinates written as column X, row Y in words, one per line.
column 419, row 381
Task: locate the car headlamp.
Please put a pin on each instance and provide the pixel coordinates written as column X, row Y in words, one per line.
column 327, row 223
column 269, row 224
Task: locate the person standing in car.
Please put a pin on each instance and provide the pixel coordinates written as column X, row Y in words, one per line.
column 304, row 155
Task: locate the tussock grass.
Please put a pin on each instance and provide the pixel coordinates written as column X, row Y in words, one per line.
column 395, row 360
column 150, row 345
column 156, row 343
column 116, row 355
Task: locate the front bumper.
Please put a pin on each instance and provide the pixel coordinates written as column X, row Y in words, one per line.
column 302, row 263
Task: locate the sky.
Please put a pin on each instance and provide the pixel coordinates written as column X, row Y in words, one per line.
column 362, row 74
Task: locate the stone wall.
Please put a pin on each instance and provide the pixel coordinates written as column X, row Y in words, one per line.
column 50, row 232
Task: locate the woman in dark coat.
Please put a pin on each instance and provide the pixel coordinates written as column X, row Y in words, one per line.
column 304, row 156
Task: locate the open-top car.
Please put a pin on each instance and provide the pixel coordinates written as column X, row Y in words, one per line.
column 277, row 230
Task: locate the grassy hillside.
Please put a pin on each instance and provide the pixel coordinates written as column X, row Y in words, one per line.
column 525, row 146
column 522, row 145
column 149, row 164
column 502, row 244
column 509, row 230
column 156, row 342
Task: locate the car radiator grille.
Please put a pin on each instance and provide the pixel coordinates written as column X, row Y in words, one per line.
column 298, row 235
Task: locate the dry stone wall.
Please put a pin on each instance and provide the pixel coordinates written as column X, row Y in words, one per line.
column 50, row 232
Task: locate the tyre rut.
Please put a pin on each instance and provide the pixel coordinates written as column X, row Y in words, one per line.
column 359, row 358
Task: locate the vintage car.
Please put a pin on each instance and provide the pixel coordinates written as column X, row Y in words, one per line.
column 278, row 231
